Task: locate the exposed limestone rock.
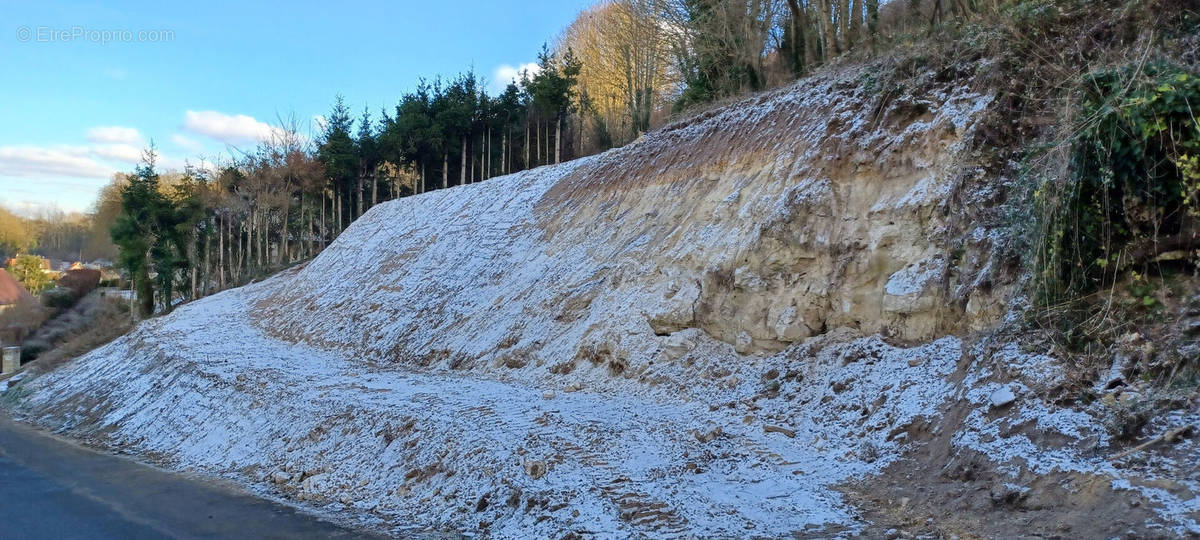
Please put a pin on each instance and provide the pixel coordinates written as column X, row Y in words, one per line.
column 757, row 226
column 1001, row 397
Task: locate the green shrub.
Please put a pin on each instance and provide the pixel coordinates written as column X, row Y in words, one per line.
column 30, row 351
column 1134, row 177
column 27, row 269
column 60, row 298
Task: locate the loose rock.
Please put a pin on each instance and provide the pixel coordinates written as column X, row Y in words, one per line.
column 1002, row 397
column 710, row 436
column 777, row 429
column 535, row 469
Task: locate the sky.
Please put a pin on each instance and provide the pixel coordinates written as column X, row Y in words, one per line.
column 85, row 86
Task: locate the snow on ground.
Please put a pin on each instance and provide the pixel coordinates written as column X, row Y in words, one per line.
column 207, row 390
column 667, row 338
column 1013, row 435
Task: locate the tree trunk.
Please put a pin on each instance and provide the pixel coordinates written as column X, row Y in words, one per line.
column 205, row 283
column 220, row 252
column 873, row 22
column 257, row 243
column 306, row 216
column 249, row 242
column 462, row 169
column 359, row 211
column 235, row 254
column 262, row 239
column 284, row 244
column 856, row 23
column 812, row 38
column 445, row 169
column 558, row 139
column 831, row 37
column 145, row 291
column 843, row 17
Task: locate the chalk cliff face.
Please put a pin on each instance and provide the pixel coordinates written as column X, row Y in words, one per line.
column 760, row 224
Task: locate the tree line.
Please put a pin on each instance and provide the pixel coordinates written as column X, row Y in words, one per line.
column 54, row 234
column 186, row 235
column 621, row 68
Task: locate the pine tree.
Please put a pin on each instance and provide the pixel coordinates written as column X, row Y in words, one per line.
column 367, row 151
column 553, row 91
column 138, row 229
column 510, row 112
column 338, row 154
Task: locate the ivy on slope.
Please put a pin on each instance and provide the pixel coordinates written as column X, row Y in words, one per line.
column 1135, row 166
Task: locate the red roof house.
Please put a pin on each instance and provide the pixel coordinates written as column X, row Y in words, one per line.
column 11, row 292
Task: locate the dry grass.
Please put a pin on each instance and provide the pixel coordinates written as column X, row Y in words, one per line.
column 94, row 322
column 18, row 321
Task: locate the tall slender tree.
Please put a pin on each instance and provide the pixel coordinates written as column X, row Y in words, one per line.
column 337, row 152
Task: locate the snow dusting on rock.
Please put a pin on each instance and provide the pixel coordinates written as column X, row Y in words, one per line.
column 704, row 333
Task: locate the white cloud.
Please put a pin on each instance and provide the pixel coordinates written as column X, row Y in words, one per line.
column 187, row 143
column 124, row 153
column 58, row 162
column 70, row 175
column 230, row 129
column 114, row 134
column 320, row 122
column 54, row 162
column 507, row 73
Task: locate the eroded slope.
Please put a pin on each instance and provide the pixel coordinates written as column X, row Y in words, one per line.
column 760, row 225
column 709, row 332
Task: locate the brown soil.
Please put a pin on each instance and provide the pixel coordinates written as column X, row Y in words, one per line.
column 939, row 491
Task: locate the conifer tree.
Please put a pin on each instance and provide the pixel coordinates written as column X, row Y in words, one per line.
column 138, row 229
column 367, row 156
column 338, row 154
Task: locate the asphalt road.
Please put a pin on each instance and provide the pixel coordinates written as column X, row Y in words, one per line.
column 53, row 489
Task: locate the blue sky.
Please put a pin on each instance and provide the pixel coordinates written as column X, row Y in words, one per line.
column 198, row 77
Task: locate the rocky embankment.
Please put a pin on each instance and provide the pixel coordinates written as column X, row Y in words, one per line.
column 762, row 321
